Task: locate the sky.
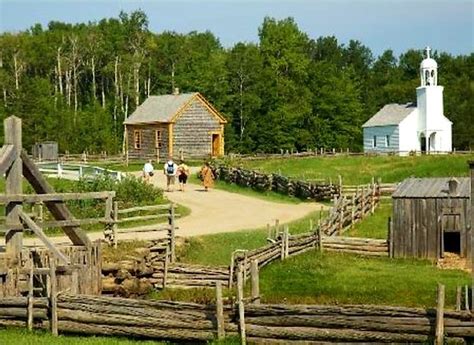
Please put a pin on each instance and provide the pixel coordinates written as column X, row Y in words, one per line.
column 446, row 25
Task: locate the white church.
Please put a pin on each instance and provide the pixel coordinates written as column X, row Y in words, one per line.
column 420, row 127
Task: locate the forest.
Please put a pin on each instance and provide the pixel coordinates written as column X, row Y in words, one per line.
column 76, row 83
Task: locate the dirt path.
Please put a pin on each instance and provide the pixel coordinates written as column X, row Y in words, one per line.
column 213, row 212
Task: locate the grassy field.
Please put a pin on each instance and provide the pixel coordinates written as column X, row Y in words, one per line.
column 360, row 170
column 17, row 336
column 374, row 225
column 336, row 278
column 217, row 249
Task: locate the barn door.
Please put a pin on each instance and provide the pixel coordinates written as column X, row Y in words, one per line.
column 451, row 233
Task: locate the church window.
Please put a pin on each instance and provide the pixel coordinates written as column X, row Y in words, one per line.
column 387, row 140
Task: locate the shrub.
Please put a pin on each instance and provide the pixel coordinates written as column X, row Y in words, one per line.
column 130, row 190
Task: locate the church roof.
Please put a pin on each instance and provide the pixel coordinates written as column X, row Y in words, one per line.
column 390, row 114
column 159, row 108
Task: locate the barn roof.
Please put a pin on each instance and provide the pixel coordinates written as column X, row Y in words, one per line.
column 390, row 114
column 431, row 188
column 165, row 108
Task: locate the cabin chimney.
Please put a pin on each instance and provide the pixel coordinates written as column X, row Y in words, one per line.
column 453, row 186
column 176, row 91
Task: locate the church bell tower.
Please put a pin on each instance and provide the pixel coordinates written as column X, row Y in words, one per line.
column 429, row 94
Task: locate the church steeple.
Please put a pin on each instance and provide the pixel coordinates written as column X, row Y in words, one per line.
column 428, row 70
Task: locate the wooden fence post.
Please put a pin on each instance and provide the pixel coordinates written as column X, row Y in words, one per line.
column 458, row 297
column 219, row 311
column 287, row 241
column 53, row 296
column 240, row 301
column 440, row 316
column 390, row 237
column 353, row 208
column 466, row 299
column 282, row 252
column 30, row 297
column 165, row 268
column 362, row 202
column 115, row 225
column 13, row 185
column 254, row 276
column 172, row 232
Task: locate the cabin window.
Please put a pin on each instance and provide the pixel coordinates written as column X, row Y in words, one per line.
column 387, row 140
column 374, row 141
column 137, row 139
column 158, row 139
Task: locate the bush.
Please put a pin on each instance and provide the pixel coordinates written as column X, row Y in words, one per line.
column 129, row 191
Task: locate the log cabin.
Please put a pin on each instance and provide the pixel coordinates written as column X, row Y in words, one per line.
column 431, row 216
column 177, row 125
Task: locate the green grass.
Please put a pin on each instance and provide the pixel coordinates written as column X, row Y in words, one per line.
column 217, row 249
column 233, row 188
column 336, row 278
column 373, row 225
column 360, row 170
column 20, row 336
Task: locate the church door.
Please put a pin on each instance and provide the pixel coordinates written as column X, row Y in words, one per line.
column 422, row 143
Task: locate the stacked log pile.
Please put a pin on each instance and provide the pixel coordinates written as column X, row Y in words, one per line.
column 354, row 245
column 150, row 268
column 351, row 323
column 277, row 183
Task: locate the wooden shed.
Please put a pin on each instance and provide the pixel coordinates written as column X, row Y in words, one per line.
column 174, row 125
column 431, row 216
column 46, row 151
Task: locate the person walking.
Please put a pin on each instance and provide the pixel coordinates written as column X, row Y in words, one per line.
column 207, row 177
column 170, row 169
column 148, row 171
column 183, row 173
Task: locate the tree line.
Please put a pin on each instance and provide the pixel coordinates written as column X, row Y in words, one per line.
column 76, row 84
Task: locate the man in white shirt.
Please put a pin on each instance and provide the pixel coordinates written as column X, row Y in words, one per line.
column 170, row 169
column 148, row 171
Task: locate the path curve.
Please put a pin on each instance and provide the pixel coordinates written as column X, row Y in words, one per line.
column 212, row 212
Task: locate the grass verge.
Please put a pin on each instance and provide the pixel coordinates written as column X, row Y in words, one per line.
column 233, row 188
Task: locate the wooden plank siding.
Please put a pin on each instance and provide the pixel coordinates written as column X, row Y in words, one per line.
column 193, row 131
column 418, row 226
column 147, row 149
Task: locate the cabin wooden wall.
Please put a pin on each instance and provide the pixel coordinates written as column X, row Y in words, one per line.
column 147, row 150
column 416, row 226
column 193, row 130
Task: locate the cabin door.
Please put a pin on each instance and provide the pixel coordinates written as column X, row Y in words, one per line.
column 216, row 144
column 451, row 233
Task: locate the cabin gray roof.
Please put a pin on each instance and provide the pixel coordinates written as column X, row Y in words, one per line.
column 159, row 108
column 390, row 114
column 433, row 187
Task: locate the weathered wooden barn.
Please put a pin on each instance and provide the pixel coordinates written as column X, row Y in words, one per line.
column 174, row 125
column 431, row 216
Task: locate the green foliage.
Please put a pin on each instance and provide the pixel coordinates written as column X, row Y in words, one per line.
column 129, row 191
column 76, row 83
